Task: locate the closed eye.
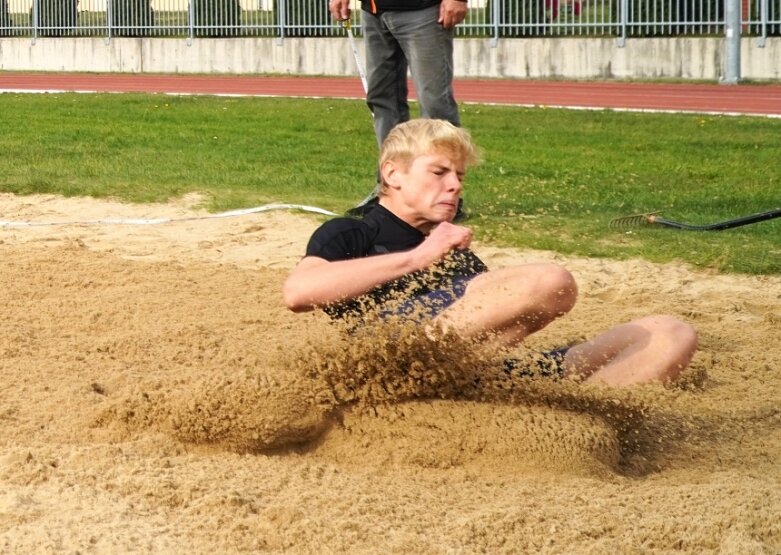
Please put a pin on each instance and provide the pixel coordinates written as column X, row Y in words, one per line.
column 443, row 170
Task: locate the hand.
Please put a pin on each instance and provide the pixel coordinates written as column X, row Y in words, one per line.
column 444, row 238
column 451, row 13
column 340, row 9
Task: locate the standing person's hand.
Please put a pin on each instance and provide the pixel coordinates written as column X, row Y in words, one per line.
column 340, row 9
column 451, row 12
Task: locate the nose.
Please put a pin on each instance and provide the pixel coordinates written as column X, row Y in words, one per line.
column 454, row 182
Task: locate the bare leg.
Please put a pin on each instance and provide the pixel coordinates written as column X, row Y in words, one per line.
column 654, row 348
column 512, row 302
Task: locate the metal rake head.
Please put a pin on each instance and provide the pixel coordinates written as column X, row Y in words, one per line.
column 634, row 220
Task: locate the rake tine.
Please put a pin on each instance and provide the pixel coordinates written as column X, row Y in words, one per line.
column 635, row 220
column 654, row 218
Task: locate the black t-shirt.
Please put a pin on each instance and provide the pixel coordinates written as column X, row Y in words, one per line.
column 381, row 232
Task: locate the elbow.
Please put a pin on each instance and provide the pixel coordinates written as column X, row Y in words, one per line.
column 293, row 299
column 294, row 306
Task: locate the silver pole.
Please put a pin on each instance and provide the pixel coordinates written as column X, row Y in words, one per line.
column 495, row 23
column 731, row 43
column 763, row 18
column 109, row 17
column 36, row 10
column 623, row 17
column 282, row 19
column 191, row 23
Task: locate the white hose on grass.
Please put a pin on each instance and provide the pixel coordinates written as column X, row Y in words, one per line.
column 156, row 221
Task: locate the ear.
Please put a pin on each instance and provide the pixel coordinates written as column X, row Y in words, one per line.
column 390, row 171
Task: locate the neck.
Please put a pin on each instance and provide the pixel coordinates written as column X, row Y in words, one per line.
column 403, row 213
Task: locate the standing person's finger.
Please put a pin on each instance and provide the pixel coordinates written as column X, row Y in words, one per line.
column 340, row 9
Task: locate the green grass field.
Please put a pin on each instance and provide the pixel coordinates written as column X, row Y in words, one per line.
column 550, row 179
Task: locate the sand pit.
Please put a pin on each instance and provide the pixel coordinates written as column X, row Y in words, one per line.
column 156, row 397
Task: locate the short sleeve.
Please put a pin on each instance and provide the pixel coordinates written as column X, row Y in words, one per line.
column 340, row 239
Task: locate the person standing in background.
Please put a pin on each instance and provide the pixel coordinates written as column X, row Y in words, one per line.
column 401, row 35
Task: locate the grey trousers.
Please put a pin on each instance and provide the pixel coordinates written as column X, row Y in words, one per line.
column 399, row 40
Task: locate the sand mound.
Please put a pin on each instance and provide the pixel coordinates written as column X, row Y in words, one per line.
column 156, row 397
column 485, row 438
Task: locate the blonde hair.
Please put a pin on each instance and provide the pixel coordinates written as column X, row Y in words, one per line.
column 419, row 137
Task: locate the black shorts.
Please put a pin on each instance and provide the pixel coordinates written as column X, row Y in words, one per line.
column 550, row 364
column 431, row 304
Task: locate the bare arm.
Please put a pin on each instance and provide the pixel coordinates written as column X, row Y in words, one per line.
column 316, row 282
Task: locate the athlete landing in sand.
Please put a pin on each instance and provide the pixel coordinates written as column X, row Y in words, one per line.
column 409, row 246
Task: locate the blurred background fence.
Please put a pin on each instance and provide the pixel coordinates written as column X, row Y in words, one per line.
column 310, row 18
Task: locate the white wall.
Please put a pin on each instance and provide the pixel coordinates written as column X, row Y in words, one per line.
column 573, row 58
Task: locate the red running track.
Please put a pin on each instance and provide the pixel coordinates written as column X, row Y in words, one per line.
column 702, row 98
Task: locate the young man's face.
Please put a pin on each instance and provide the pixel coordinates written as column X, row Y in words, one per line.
column 427, row 191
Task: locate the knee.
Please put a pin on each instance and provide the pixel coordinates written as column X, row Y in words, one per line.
column 676, row 330
column 677, row 338
column 557, row 286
